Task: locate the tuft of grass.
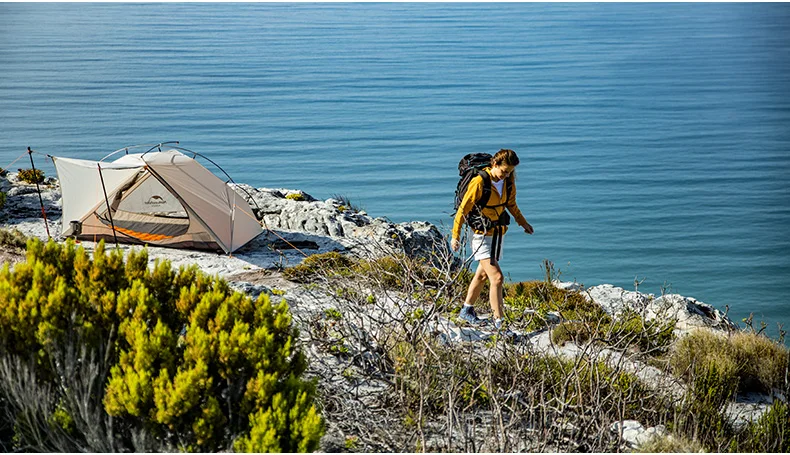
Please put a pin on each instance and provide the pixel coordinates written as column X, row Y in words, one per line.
column 762, row 361
column 669, row 444
column 346, row 204
column 757, row 363
column 31, row 176
column 3, row 197
column 326, row 264
column 13, row 238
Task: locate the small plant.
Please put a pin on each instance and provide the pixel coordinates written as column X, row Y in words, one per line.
column 333, row 313
column 317, row 265
column 3, row 197
column 13, row 238
column 771, row 433
column 669, row 444
column 345, row 203
column 31, row 176
column 295, row 197
column 351, row 442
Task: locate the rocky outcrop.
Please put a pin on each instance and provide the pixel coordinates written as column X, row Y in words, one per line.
column 296, row 211
column 689, row 313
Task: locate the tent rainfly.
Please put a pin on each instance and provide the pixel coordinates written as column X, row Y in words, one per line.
column 162, row 198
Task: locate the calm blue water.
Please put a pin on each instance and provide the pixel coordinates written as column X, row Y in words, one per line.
column 654, row 139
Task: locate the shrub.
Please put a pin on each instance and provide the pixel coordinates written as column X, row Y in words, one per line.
column 316, row 265
column 31, row 176
column 3, row 197
column 170, row 359
column 760, row 363
column 771, row 433
column 13, row 238
column 295, row 197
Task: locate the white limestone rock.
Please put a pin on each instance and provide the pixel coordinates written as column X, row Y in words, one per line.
column 635, row 434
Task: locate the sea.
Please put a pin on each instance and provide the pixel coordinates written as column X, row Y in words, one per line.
column 654, row 139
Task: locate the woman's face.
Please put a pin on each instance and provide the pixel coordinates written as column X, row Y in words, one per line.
column 501, row 171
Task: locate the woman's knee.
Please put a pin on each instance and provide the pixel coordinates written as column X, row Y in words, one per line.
column 497, row 278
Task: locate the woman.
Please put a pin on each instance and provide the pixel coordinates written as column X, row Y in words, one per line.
column 486, row 241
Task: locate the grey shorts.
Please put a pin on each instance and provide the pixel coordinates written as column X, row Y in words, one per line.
column 481, row 247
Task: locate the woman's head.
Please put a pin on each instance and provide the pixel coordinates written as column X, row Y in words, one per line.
column 503, row 163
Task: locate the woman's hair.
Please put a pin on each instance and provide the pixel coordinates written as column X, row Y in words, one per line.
column 505, row 156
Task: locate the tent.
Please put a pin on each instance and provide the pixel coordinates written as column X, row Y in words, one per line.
column 162, row 198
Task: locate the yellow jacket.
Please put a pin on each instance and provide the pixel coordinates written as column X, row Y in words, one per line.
column 474, row 191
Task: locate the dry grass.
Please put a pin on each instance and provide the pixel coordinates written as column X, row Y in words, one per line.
column 753, row 361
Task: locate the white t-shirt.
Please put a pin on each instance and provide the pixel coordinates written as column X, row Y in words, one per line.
column 499, row 186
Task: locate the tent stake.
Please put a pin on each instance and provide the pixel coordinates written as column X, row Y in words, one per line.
column 109, row 210
column 40, row 199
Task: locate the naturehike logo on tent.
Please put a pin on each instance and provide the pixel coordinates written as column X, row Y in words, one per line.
column 156, row 200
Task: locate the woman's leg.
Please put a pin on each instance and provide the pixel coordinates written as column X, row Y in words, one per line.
column 476, row 285
column 496, row 281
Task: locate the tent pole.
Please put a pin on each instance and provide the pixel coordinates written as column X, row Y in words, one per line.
column 107, row 201
column 40, row 199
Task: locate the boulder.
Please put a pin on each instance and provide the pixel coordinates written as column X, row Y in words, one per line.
column 688, row 312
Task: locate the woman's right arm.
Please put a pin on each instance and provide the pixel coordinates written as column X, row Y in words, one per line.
column 473, row 192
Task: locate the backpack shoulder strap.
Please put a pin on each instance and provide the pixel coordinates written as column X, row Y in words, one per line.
column 486, row 188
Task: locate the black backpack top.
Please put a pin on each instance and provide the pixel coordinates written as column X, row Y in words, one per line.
column 470, row 167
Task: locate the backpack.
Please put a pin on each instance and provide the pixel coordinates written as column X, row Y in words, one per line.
column 469, row 167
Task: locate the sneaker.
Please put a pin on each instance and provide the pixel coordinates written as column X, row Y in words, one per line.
column 469, row 315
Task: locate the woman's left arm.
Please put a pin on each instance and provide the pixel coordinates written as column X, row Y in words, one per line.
column 512, row 207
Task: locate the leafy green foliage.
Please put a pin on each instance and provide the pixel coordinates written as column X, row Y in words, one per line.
column 191, row 363
column 31, row 176
column 771, row 433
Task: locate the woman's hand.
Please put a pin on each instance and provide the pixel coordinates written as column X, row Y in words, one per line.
column 455, row 244
column 528, row 229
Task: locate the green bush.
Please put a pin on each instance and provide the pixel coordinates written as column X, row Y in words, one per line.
column 31, row 176
column 181, row 359
column 325, row 264
column 13, row 238
column 771, row 433
column 3, row 197
column 760, row 363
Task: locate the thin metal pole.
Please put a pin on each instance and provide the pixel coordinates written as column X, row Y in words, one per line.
column 107, row 201
column 40, row 199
